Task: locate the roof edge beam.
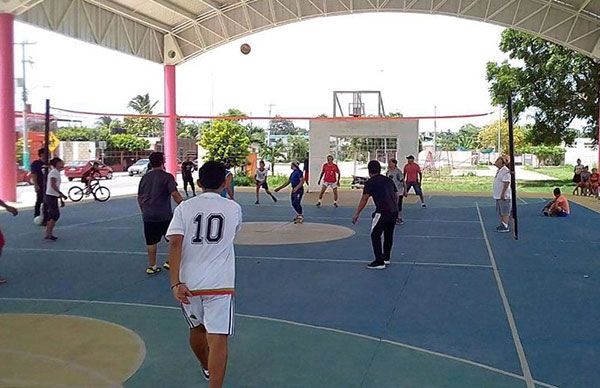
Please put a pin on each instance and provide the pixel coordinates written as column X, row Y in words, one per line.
column 129, row 14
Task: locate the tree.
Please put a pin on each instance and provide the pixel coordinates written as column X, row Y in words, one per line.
column 488, row 136
column 104, row 122
column 82, row 134
column 297, row 148
column 188, row 131
column 447, row 141
column 225, row 140
column 559, row 84
column 285, row 127
column 143, row 126
column 126, row 142
column 142, row 104
column 272, row 153
column 547, row 156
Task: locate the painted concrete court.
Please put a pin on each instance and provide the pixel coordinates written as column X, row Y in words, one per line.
column 309, row 313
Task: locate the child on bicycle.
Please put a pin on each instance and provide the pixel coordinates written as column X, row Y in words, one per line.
column 88, row 176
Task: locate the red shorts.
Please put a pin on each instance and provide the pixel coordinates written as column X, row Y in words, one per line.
column 2, row 240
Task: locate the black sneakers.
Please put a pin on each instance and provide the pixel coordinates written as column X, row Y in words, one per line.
column 205, row 374
column 376, row 265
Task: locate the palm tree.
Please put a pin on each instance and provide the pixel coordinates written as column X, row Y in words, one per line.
column 142, row 104
column 272, row 152
column 104, row 122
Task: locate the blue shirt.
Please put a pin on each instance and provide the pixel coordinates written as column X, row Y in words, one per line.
column 295, row 177
column 224, row 192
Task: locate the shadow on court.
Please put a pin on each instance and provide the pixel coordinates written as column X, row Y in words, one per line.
column 312, row 315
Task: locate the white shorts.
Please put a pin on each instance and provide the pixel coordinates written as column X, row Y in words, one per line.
column 214, row 312
column 330, row 185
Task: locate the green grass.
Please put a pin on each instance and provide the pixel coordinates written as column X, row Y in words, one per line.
column 444, row 182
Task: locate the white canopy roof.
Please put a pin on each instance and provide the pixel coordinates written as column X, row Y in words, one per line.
column 173, row 31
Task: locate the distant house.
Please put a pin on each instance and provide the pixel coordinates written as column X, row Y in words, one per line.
column 583, row 148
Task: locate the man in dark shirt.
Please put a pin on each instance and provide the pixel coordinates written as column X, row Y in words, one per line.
column 37, row 178
column 156, row 189
column 187, row 169
column 384, row 193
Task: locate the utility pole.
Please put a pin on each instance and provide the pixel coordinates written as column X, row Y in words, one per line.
column 269, row 127
column 25, row 61
column 499, row 144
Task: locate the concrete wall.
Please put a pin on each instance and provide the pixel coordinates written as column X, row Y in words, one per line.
column 77, row 150
column 406, row 133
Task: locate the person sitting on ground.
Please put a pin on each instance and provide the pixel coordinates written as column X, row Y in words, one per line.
column 91, row 173
column 584, row 184
column 559, row 207
column 594, row 182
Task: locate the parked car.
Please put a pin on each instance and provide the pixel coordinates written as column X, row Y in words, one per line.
column 76, row 169
column 23, row 176
column 139, row 168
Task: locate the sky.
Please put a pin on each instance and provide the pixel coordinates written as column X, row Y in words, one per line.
column 418, row 62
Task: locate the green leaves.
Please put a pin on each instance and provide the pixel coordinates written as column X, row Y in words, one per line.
column 127, row 142
column 225, row 140
column 558, row 84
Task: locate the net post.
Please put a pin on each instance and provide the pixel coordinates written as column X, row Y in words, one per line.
column 513, row 181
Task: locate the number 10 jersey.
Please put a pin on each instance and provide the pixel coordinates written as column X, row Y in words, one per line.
column 208, row 224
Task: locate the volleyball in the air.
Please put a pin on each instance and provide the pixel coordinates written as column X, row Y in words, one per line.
column 245, row 48
column 38, row 220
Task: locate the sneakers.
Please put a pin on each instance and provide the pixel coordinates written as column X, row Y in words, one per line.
column 2, row 280
column 257, row 203
column 386, row 262
column 399, row 221
column 299, row 220
column 152, row 270
column 205, row 374
column 376, row 265
column 51, row 238
column 335, row 204
column 319, row 204
column 166, row 265
column 423, row 205
column 502, row 229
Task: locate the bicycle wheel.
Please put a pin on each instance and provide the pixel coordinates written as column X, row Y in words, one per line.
column 101, row 193
column 75, row 193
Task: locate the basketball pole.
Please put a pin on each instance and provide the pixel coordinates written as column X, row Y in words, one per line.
column 513, row 181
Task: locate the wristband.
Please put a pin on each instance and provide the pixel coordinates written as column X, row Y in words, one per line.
column 177, row 284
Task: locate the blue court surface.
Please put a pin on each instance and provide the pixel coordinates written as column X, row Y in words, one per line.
column 460, row 305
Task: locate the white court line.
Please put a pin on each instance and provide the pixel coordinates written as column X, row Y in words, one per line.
column 293, row 323
column 242, row 257
column 522, row 200
column 509, row 315
column 350, row 218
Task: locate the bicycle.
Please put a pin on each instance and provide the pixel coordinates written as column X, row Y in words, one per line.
column 100, row 193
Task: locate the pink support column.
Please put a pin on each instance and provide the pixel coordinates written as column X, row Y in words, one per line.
column 170, row 128
column 8, row 151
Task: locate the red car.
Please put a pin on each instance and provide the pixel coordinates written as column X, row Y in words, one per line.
column 76, row 169
column 23, row 176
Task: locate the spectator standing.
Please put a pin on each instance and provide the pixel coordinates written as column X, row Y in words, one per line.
column 502, row 194
column 38, row 170
column 397, row 176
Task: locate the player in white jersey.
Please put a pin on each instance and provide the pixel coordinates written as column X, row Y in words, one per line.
column 261, row 181
column 202, row 260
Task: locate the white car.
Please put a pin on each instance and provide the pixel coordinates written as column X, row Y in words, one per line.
column 139, row 168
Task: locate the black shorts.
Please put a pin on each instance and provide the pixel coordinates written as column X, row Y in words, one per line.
column 155, row 231
column 52, row 208
column 188, row 179
column 264, row 185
